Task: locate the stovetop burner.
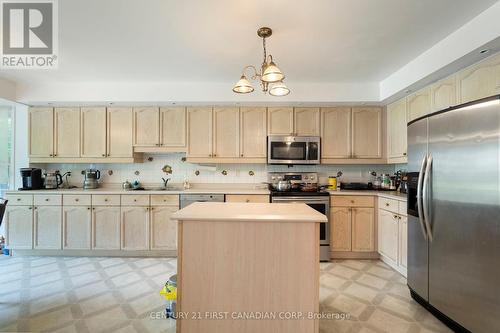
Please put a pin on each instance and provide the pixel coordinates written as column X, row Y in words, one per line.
column 298, row 193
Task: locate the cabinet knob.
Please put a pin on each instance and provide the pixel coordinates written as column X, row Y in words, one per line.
column 103, row 155
column 18, row 199
column 51, row 155
column 404, row 154
column 387, row 204
column 209, row 155
column 106, row 200
column 241, row 155
column 108, row 155
column 88, row 208
column 29, row 208
column 399, row 217
column 77, row 200
column 152, row 208
column 36, row 207
column 135, row 200
column 395, row 216
column 352, row 201
column 93, row 208
column 215, row 155
column 247, row 200
column 47, row 199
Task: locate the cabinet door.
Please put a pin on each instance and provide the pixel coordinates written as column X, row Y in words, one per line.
column 135, row 228
column 173, row 127
column 367, row 132
column 388, row 234
column 444, row 94
column 336, row 132
column 47, row 225
column 419, row 104
column 363, row 229
column 280, row 121
column 93, row 132
column 120, row 130
column 76, row 228
column 199, row 132
column 253, row 132
column 19, row 227
column 146, row 127
column 307, row 121
column 396, row 129
column 41, row 132
column 106, row 228
column 67, row 132
column 163, row 229
column 403, row 241
column 480, row 80
column 226, row 132
column 340, row 228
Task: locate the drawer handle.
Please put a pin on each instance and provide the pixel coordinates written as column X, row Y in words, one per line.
column 77, row 200
column 352, row 201
column 164, row 200
column 247, row 200
column 18, row 199
column 135, row 200
column 88, row 208
column 47, row 199
column 395, row 216
column 106, row 200
column 387, row 204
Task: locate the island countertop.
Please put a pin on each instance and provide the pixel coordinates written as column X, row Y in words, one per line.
column 249, row 212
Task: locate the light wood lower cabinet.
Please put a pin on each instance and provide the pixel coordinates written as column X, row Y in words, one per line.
column 47, row 226
column 106, row 228
column 352, row 227
column 393, row 234
column 19, row 227
column 163, row 228
column 76, row 227
column 403, row 242
column 388, row 234
column 135, row 228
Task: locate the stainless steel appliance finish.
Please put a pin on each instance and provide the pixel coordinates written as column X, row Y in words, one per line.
column 317, row 200
column 53, row 180
column 460, row 218
column 293, row 149
column 187, row 199
column 92, row 177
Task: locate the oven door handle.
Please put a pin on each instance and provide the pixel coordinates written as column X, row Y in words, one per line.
column 300, row 200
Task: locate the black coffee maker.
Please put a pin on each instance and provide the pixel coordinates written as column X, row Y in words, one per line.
column 32, row 178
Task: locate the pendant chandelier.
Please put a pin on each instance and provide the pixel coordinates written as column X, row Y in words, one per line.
column 270, row 76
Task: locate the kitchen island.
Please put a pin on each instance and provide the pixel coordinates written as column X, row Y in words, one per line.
column 248, row 267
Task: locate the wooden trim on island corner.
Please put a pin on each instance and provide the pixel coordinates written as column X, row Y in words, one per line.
column 178, row 304
column 354, row 255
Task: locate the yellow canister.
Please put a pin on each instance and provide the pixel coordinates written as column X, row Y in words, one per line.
column 332, row 183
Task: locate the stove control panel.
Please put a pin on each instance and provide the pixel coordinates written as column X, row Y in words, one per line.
column 296, row 178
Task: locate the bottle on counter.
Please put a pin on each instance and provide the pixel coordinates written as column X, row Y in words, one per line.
column 332, row 183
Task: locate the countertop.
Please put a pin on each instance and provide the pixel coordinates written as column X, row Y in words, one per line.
column 249, row 212
column 208, row 189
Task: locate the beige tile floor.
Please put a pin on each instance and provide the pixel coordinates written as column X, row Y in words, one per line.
column 68, row 294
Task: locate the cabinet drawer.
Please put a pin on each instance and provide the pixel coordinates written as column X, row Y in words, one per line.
column 403, row 208
column 76, row 200
column 20, row 199
column 352, row 201
column 164, row 200
column 106, row 200
column 256, row 198
column 135, row 200
column 47, row 200
column 389, row 204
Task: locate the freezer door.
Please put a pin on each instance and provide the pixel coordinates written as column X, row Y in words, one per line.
column 418, row 266
column 464, row 255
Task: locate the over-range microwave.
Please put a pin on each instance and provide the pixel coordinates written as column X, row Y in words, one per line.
column 293, row 149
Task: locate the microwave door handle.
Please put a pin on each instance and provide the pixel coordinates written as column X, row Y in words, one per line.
column 425, row 197
column 419, row 197
column 307, row 151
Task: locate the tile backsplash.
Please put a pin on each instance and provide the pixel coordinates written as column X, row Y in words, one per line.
column 150, row 171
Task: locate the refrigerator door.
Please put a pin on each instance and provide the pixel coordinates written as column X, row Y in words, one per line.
column 464, row 208
column 418, row 268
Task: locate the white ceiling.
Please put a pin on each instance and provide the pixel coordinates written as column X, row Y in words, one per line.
column 210, row 41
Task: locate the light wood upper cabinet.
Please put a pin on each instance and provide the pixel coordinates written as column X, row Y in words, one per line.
column 226, row 132
column 41, row 132
column 93, row 132
column 120, row 130
column 106, row 228
column 480, row 80
column 388, row 234
column 340, row 228
column 135, row 228
column 19, row 227
column 147, row 127
column 396, row 129
column 173, row 127
column 363, row 229
column 367, row 132
column 253, row 132
column 419, row 104
column 280, row 121
column 67, row 132
column 336, row 132
column 403, row 241
column 76, row 227
column 47, row 226
column 199, row 132
column 163, row 228
column 444, row 93
column 307, row 121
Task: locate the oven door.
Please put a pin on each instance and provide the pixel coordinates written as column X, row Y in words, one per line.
column 293, row 150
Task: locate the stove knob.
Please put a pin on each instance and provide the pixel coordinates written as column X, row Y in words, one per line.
column 273, row 178
column 306, row 177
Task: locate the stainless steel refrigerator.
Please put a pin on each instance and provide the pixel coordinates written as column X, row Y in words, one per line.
column 454, row 214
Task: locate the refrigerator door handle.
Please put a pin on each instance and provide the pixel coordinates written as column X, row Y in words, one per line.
column 419, row 197
column 425, row 197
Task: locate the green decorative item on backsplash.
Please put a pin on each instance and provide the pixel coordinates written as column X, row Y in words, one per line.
column 167, row 169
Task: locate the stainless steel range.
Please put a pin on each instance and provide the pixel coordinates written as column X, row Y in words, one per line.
column 303, row 188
